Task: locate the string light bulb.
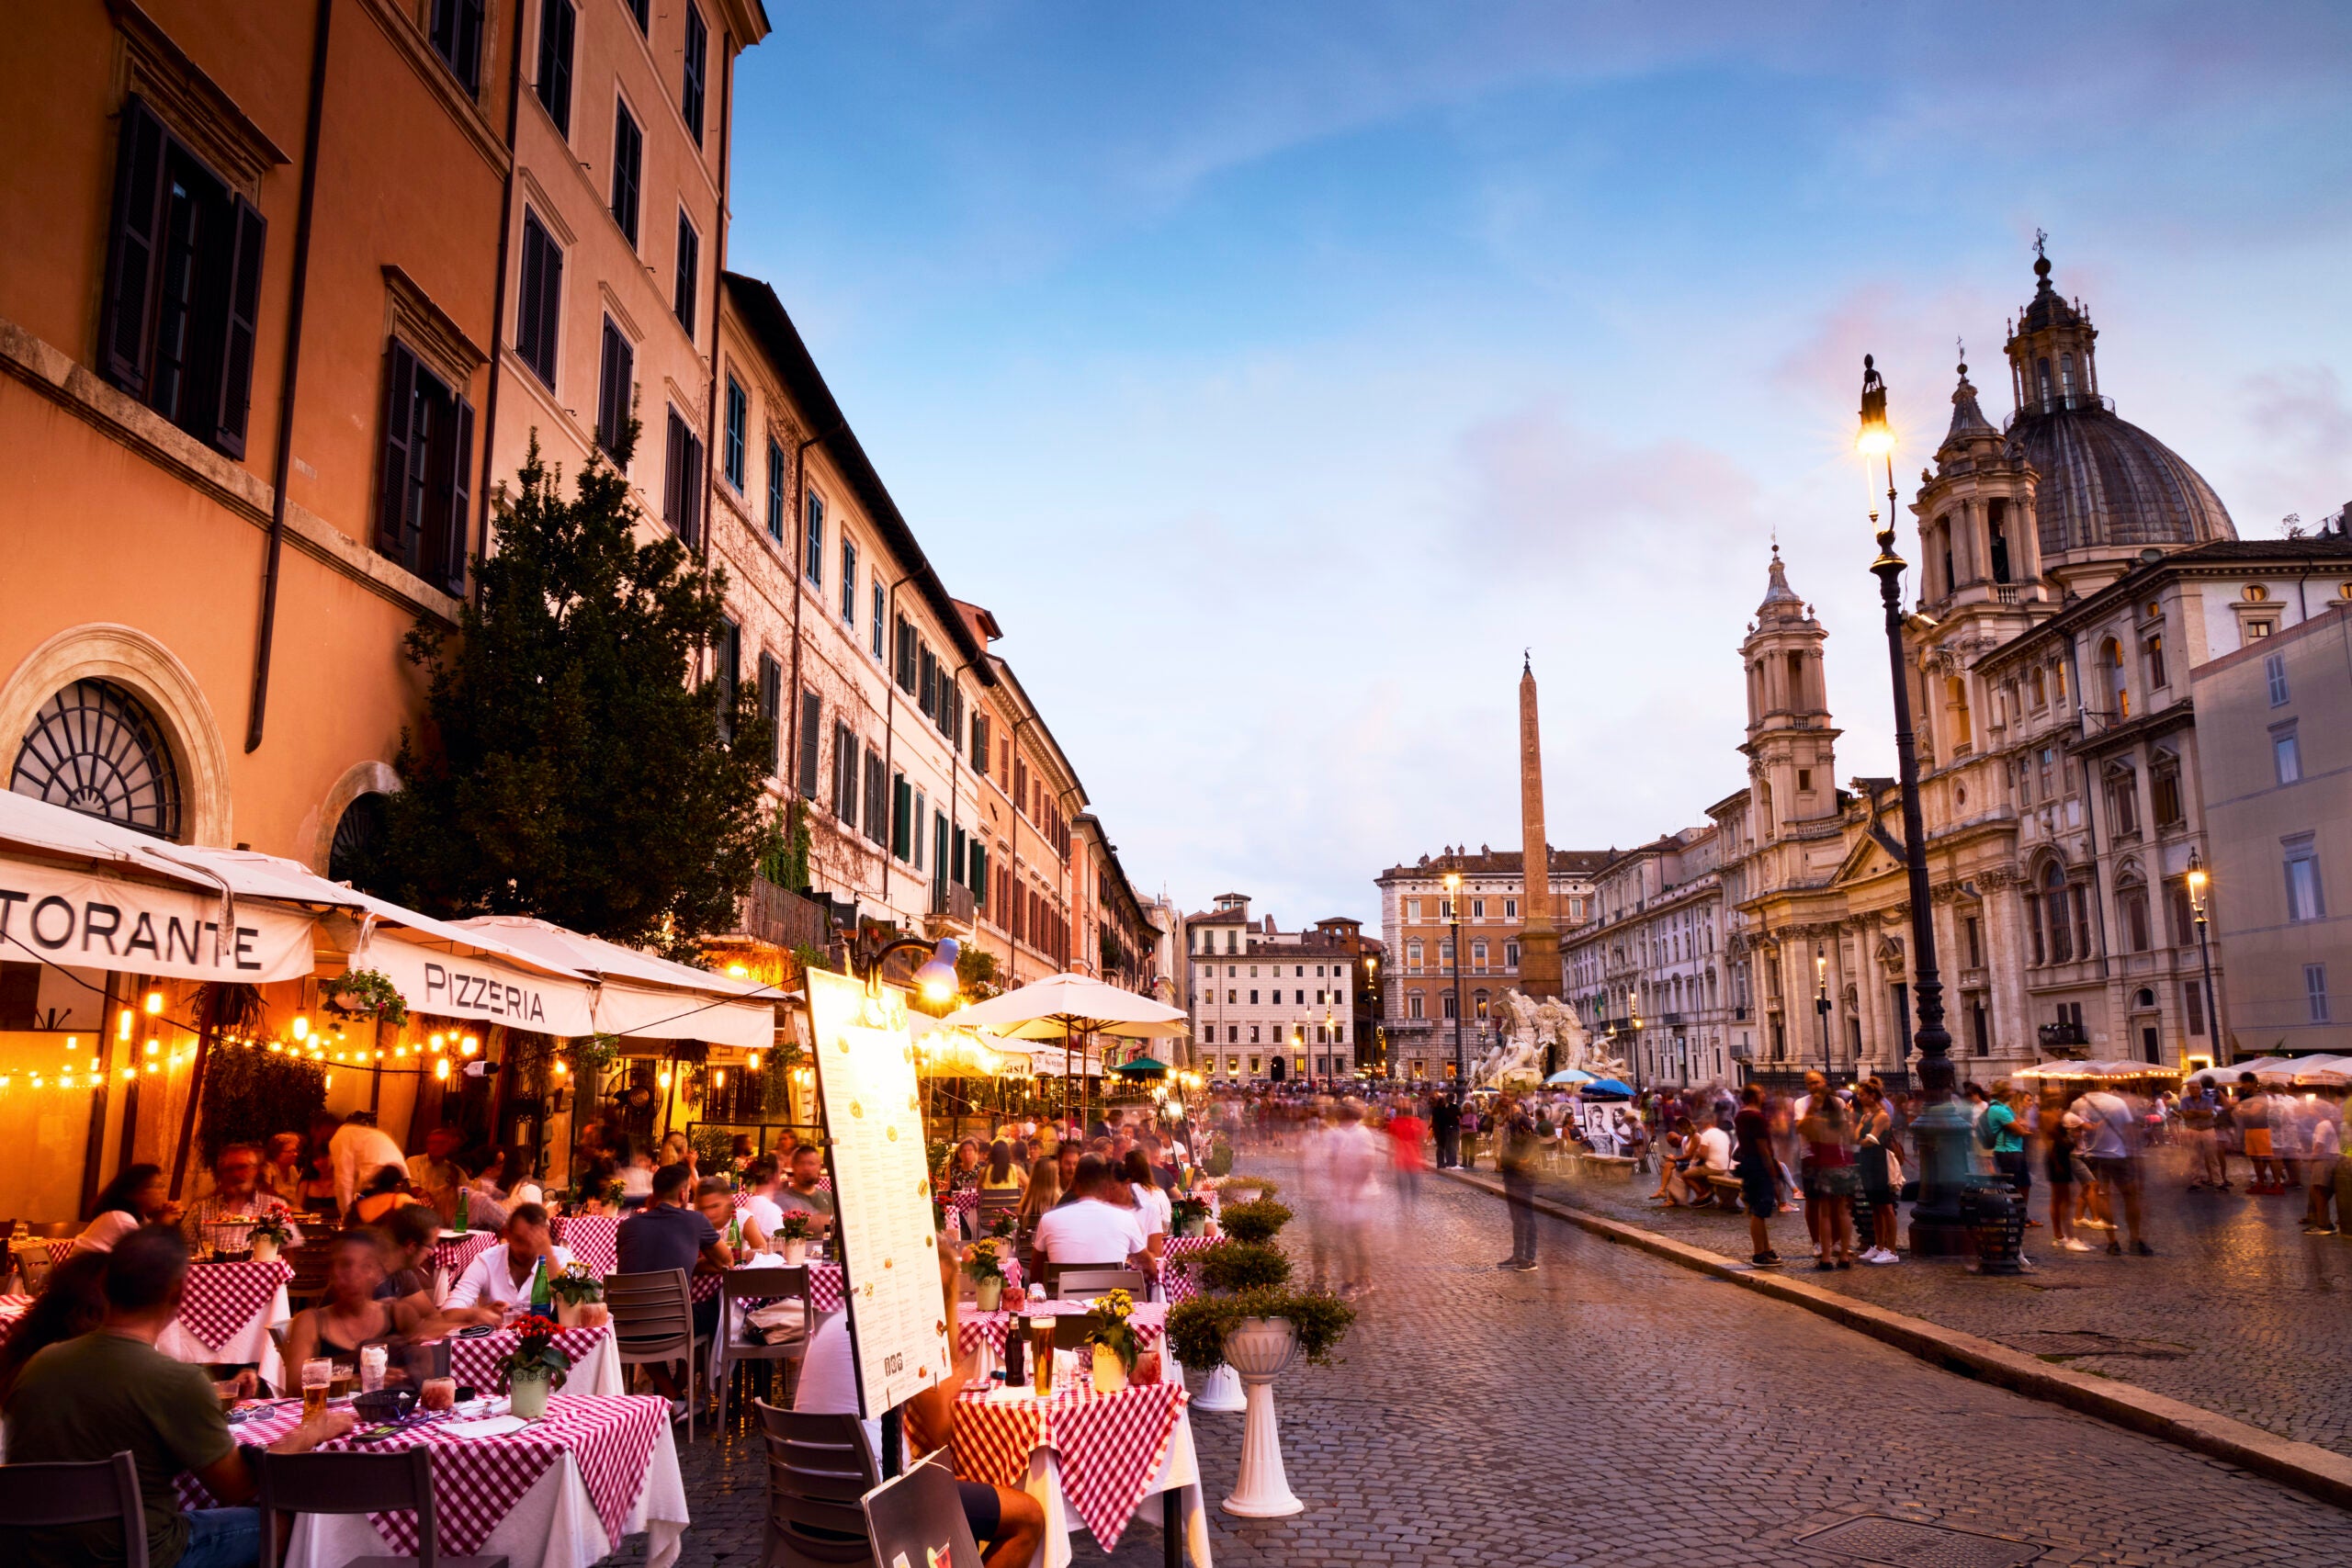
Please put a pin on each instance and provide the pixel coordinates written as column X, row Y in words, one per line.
column 72, row 1044
column 301, row 1027
column 662, row 1078
column 122, row 1027
column 441, row 1069
column 468, row 1045
column 154, row 1003
column 561, row 1067
column 153, row 1045
column 436, row 1044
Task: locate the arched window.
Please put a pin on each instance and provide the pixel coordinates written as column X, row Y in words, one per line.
column 1956, row 701
column 2041, row 365
column 1943, row 542
column 2066, row 374
column 94, row 749
column 2110, row 659
column 358, row 838
column 2131, row 909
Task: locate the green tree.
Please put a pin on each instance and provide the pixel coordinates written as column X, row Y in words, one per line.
column 571, row 767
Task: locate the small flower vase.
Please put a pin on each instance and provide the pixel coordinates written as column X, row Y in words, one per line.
column 989, row 1293
column 265, row 1249
column 1110, row 1371
column 568, row 1312
column 527, row 1394
column 796, row 1252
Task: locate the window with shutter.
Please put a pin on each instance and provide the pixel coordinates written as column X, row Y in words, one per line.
column 457, row 39
column 775, row 491
column 558, row 22
column 538, row 308
column 727, row 671
column 739, row 414
column 628, row 166
column 979, row 874
column 881, row 597
column 772, row 709
column 812, row 563
column 812, row 718
column 615, row 390
column 981, row 744
column 692, row 84
column 681, row 483
column 926, row 680
column 689, row 275
column 424, row 495
column 877, row 808
column 849, row 583
column 183, row 285
column 902, row 800
column 844, row 774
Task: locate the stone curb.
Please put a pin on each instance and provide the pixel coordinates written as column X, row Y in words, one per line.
column 2306, row 1466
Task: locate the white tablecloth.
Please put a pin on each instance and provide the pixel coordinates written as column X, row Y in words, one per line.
column 252, row 1343
column 553, row 1525
column 1179, row 1473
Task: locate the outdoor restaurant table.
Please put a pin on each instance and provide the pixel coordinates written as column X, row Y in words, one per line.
column 453, row 1254
column 976, row 1327
column 1177, row 1284
column 226, row 1314
column 595, row 1361
column 1094, row 1455
column 12, row 1309
column 561, row 1492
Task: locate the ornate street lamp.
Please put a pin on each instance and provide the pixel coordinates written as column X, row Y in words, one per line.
column 1821, row 1004
column 2197, row 880
column 1943, row 1129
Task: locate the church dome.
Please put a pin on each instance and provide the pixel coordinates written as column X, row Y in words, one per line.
column 2102, row 481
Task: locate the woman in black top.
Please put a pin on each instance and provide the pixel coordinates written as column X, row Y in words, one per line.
column 1751, row 1157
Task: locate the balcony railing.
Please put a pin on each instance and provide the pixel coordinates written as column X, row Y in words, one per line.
column 951, row 901
column 781, row 917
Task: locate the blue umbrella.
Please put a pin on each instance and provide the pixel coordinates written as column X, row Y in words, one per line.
column 1609, row 1086
column 1569, row 1075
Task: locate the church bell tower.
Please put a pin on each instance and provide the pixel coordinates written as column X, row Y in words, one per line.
column 1790, row 746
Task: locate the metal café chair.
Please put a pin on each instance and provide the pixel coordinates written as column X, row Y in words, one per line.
column 1081, row 1284
column 103, row 1489
column 653, row 1322
column 918, row 1517
column 750, row 1288
column 818, row 1466
column 399, row 1482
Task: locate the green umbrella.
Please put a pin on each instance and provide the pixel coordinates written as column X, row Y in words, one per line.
column 1142, row 1068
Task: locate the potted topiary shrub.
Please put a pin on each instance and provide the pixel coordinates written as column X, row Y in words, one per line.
column 1260, row 1220
column 1258, row 1334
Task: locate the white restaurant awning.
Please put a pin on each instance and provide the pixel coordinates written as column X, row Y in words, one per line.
column 639, row 994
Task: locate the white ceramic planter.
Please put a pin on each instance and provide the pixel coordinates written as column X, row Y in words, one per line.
column 265, row 1249
column 528, row 1397
column 569, row 1314
column 1110, row 1373
column 1260, row 1350
column 987, row 1294
column 1221, row 1392
column 796, row 1252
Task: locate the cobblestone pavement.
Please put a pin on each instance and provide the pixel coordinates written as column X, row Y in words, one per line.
column 2240, row 1313
column 1612, row 1408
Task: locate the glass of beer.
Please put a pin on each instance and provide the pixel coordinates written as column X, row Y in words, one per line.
column 318, row 1378
column 1041, row 1352
column 438, row 1393
column 345, row 1383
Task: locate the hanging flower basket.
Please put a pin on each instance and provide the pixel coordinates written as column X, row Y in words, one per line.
column 369, row 994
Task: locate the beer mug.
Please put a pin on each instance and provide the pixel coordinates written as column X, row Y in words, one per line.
column 318, row 1377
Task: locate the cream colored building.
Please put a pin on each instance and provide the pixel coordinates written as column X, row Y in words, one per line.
column 1651, row 969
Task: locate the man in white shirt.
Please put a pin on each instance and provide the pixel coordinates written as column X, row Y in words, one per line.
column 1090, row 1231
column 359, row 1149
column 1715, row 1148
column 2109, row 1145
column 498, row 1278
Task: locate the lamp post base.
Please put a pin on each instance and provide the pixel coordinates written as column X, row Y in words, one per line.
column 1943, row 1134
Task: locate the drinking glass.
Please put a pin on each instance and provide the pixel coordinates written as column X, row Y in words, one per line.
column 1041, row 1350
column 371, row 1367
column 318, row 1377
column 438, row 1393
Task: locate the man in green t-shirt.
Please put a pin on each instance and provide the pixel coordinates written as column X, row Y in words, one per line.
column 111, row 1389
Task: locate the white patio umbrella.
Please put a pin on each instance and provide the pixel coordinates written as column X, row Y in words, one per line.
column 1062, row 1006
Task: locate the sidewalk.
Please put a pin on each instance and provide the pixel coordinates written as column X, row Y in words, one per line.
column 2240, row 1314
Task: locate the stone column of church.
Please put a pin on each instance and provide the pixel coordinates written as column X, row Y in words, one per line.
column 1539, row 940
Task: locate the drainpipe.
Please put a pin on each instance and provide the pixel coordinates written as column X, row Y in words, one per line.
column 282, row 464
column 797, row 534
column 498, row 299
column 890, row 738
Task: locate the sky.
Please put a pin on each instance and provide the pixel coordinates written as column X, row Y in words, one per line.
column 1279, row 374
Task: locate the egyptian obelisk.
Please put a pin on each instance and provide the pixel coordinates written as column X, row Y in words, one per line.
column 1539, row 944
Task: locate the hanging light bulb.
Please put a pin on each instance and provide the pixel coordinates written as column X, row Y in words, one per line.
column 717, row 1077
column 153, row 1045
column 72, row 1044
column 469, row 1045
column 561, row 1067
column 441, row 1069
column 154, row 1003
column 302, row 1028
column 122, row 1027
column 330, row 1083
column 662, row 1078
column 437, row 1043
column 755, row 1060
column 150, row 1066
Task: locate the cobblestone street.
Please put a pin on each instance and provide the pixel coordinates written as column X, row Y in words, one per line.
column 2240, row 1313
column 1612, row 1408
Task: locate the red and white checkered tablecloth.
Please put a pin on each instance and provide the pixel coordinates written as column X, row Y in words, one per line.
column 12, row 1310
column 1178, row 1284
column 1150, row 1322
column 223, row 1298
column 60, row 1248
column 1111, row 1445
column 473, row 1363
column 455, row 1252
column 477, row 1481
column 591, row 1239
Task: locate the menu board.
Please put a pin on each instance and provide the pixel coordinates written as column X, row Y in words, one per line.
column 866, row 1081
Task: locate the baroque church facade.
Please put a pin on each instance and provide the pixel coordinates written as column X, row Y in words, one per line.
column 2071, row 573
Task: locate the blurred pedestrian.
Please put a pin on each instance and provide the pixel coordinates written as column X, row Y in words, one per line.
column 1515, row 1155
column 1759, row 1188
column 2110, row 1142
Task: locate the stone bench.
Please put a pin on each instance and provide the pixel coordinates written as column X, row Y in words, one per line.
column 1607, row 1167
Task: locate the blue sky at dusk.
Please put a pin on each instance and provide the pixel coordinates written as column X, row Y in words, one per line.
column 1277, row 373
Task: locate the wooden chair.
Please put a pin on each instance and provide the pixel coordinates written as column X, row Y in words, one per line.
column 1084, row 1284
column 398, row 1482
column 750, row 1288
column 309, row 1286
column 918, row 1517
column 819, row 1466
column 32, row 1262
column 653, row 1322
column 75, row 1494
